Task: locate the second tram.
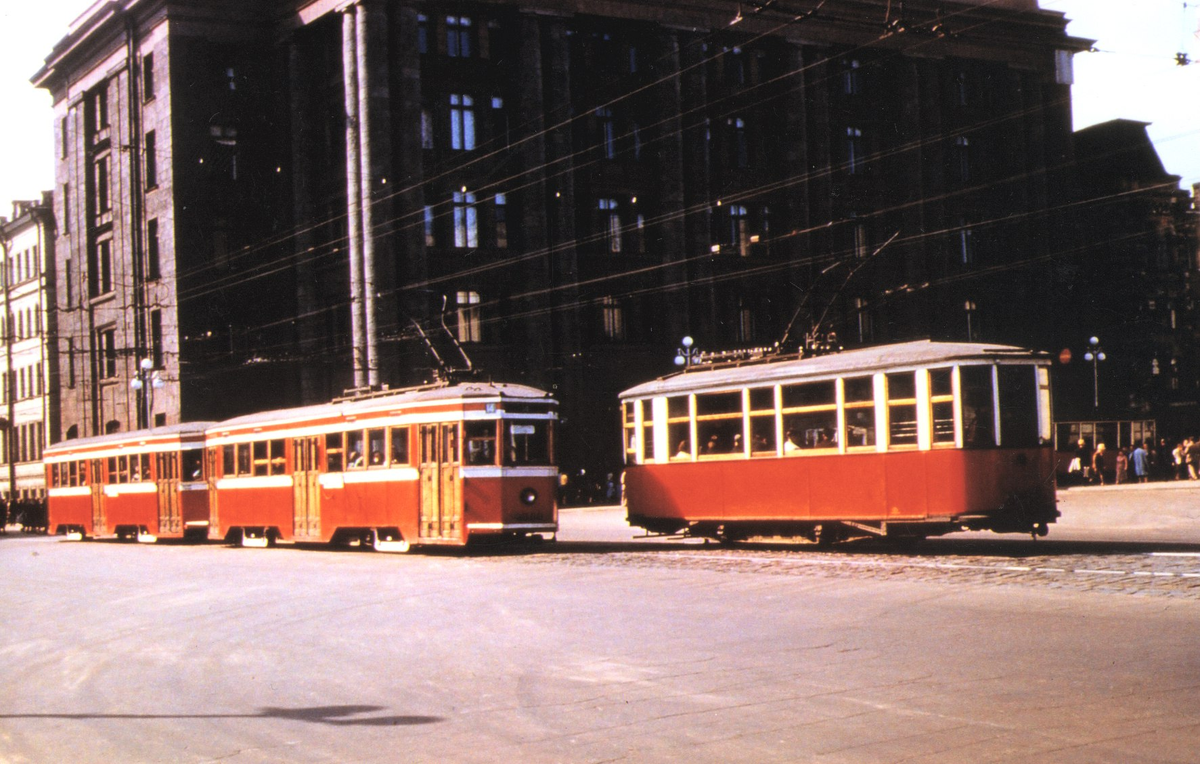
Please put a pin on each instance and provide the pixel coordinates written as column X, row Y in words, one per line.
column 907, row 440
column 443, row 464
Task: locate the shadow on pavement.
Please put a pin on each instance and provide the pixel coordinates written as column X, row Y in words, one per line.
column 338, row 716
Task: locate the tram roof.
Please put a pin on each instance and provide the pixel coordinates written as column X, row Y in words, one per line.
column 416, row 396
column 902, row 355
column 165, row 432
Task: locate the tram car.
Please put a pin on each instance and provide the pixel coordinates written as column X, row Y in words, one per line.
column 902, row 441
column 141, row 485
column 438, row 465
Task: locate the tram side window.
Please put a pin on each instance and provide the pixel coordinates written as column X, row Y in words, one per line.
column 77, row 473
column 941, row 405
column 809, row 416
column 629, row 430
column 647, row 430
column 860, row 411
column 243, row 458
column 228, row 463
column 481, row 442
column 902, row 409
column 354, row 450
column 679, row 428
column 719, row 423
column 978, row 407
column 762, row 421
column 526, row 442
column 399, row 446
column 334, row 442
column 1018, row 407
column 377, row 447
column 193, row 464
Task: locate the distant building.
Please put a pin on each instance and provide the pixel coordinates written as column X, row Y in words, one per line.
column 568, row 188
column 1132, row 284
column 28, row 362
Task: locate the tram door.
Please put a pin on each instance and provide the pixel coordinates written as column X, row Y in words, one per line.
column 306, row 488
column 167, row 479
column 441, row 482
column 99, row 525
column 212, row 461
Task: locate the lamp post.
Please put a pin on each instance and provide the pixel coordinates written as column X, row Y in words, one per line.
column 686, row 355
column 1095, row 354
column 147, row 381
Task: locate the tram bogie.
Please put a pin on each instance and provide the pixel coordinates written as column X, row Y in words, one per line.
column 903, row 441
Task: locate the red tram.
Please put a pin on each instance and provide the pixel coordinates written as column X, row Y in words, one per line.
column 435, row 465
column 142, row 485
column 907, row 440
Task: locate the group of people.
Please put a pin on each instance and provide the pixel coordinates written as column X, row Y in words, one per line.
column 1139, row 463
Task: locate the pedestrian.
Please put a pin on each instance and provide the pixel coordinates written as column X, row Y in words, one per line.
column 1193, row 458
column 1122, row 466
column 1084, row 456
column 1098, row 463
column 1179, row 459
column 1141, row 463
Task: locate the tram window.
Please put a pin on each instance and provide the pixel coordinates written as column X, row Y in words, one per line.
column 647, row 430
column 73, row 473
column 228, row 465
column 243, row 458
column 809, row 416
column 762, row 421
column 275, row 450
column 629, row 429
column 679, row 428
column 860, row 411
column 481, row 442
column 145, row 467
column 719, row 423
column 978, row 407
column 526, row 442
column 377, row 447
column 1018, row 407
column 262, row 459
column 941, row 404
column 399, row 446
column 902, row 409
column 193, row 464
column 450, row 444
column 354, row 450
column 333, row 452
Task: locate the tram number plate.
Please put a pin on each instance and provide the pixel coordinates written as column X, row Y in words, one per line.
column 524, row 429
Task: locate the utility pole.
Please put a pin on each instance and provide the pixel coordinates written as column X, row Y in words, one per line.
column 9, row 376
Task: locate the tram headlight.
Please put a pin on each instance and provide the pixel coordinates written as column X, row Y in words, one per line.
column 528, row 496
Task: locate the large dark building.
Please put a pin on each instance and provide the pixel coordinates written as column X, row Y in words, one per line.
column 275, row 201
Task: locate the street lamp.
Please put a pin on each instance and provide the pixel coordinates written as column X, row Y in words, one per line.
column 686, row 355
column 147, row 381
column 1095, row 354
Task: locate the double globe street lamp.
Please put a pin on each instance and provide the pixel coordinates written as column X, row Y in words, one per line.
column 1095, row 354
column 146, row 382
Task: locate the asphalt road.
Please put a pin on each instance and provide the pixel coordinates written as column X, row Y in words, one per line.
column 601, row 648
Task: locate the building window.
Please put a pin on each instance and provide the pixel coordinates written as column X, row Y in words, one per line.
column 102, row 195
column 745, row 324
column 639, row 232
column 462, row 122
column 430, row 238
column 153, row 265
column 426, row 129
column 739, row 229
column 862, row 318
column 741, row 150
column 470, row 327
column 466, row 224
column 850, row 78
column 862, row 241
column 613, row 316
column 422, row 33
column 148, row 77
column 458, row 36
column 106, row 353
column 962, row 158
column 499, row 118
column 501, row 221
column 66, row 207
column 151, row 160
column 64, row 139
column 100, row 268
column 97, row 105
column 608, row 139
column 854, row 150
column 966, row 245
column 156, row 338
column 610, row 221
column 961, row 91
column 71, row 362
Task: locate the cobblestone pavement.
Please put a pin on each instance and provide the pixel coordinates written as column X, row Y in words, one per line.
column 1132, row 569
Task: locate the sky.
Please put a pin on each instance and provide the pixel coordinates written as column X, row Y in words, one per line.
column 1131, row 75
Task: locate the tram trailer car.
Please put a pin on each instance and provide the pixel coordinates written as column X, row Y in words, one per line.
column 143, row 485
column 907, row 440
column 440, row 465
